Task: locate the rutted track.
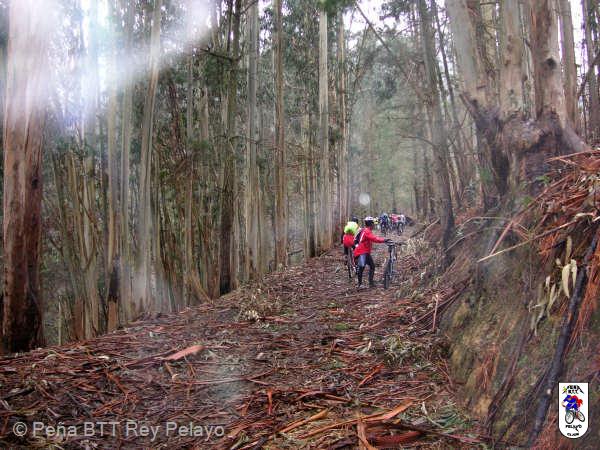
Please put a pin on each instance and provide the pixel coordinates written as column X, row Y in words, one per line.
column 293, row 362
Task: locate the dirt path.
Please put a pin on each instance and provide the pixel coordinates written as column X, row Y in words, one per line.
column 292, row 363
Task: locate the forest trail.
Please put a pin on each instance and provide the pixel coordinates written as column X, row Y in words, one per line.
column 304, row 352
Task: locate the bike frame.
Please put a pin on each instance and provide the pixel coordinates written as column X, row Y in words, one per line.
column 385, row 228
column 350, row 263
column 389, row 265
column 392, row 254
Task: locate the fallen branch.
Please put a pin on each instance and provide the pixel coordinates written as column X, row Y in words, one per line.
column 299, row 423
column 529, row 241
column 437, row 301
column 424, row 230
column 396, row 440
column 588, row 74
column 183, row 353
column 362, row 435
column 370, row 375
column 18, row 392
column 377, row 417
column 466, row 439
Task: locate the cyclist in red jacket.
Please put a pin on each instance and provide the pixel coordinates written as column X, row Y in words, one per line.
column 362, row 250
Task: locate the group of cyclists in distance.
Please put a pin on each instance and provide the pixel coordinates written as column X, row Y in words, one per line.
column 391, row 223
column 358, row 241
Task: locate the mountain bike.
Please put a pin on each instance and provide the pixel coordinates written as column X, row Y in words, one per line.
column 571, row 414
column 384, row 227
column 400, row 228
column 388, row 271
column 350, row 266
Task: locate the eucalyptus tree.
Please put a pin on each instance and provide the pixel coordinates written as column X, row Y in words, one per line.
column 24, row 118
column 252, row 198
column 325, row 206
column 519, row 146
column 227, row 276
column 438, row 126
column 145, row 226
column 589, row 24
column 280, row 220
column 567, row 43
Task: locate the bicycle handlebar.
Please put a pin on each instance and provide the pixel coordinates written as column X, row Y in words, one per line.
column 394, row 244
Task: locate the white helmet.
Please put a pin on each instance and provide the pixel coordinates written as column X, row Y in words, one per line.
column 369, row 219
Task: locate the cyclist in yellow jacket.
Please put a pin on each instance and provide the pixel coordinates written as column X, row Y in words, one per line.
column 350, row 231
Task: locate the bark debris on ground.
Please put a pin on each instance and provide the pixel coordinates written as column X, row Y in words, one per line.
column 302, row 360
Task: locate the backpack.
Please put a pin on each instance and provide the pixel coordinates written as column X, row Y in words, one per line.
column 358, row 237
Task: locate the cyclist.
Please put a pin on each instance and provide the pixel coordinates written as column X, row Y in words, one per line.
column 350, row 231
column 362, row 250
column 572, row 402
column 394, row 219
column 401, row 223
column 384, row 221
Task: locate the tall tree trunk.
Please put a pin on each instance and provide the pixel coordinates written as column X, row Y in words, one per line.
column 415, row 185
column 370, row 155
column 306, row 186
column 467, row 28
column 343, row 165
column 141, row 285
column 24, row 119
column 112, row 256
column 189, row 268
column 510, row 87
column 438, row 128
column 334, row 164
column 252, row 175
column 472, row 71
column 594, row 109
column 3, row 48
column 569, row 64
column 549, row 94
column 486, row 28
column 280, row 151
column 209, row 257
column 263, row 229
column 325, row 207
column 527, row 79
column 127, row 118
column 456, row 181
column 227, row 192
column 459, row 148
column 195, row 291
column 312, row 186
column 428, row 194
column 511, row 94
column 89, row 130
column 521, row 147
column 157, row 275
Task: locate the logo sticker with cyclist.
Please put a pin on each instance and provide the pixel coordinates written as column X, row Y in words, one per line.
column 573, row 414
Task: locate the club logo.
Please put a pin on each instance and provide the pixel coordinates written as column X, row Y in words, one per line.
column 573, row 414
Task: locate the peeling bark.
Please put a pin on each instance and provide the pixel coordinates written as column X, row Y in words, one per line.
column 24, row 119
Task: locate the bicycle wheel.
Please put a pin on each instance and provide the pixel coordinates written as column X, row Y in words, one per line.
column 569, row 417
column 350, row 264
column 580, row 416
column 387, row 274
